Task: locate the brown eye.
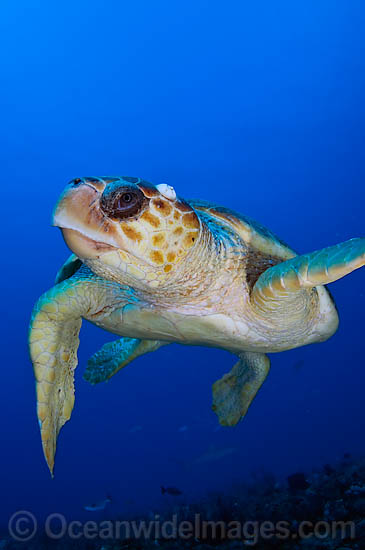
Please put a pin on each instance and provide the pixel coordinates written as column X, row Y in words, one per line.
column 121, row 203
column 124, row 202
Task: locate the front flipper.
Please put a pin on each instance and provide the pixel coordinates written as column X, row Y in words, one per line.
column 307, row 271
column 53, row 343
column 235, row 391
column 113, row 356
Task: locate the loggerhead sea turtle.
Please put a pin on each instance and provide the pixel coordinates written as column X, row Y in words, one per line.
column 154, row 269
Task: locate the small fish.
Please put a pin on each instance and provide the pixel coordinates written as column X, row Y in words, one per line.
column 214, row 454
column 174, row 491
column 98, row 506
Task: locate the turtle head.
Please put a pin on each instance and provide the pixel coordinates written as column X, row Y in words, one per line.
column 127, row 227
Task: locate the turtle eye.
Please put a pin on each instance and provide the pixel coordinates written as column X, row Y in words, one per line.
column 126, row 198
column 122, row 203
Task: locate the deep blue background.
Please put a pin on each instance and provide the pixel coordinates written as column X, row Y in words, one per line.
column 255, row 105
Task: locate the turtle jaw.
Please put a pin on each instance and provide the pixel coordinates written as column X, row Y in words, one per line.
column 84, row 247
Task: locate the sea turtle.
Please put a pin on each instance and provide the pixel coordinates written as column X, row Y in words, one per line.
column 154, row 269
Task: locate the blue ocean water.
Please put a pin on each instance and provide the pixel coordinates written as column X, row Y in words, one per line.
column 255, row 106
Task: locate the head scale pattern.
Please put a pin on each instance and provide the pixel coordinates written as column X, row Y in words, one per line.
column 150, row 229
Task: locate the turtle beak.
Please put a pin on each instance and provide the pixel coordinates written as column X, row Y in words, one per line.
column 84, row 227
column 78, row 196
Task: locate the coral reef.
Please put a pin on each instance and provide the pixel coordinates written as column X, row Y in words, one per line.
column 322, row 510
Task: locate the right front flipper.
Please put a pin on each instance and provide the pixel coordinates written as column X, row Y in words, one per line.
column 113, row 356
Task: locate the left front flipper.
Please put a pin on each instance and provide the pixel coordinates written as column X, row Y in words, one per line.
column 235, row 391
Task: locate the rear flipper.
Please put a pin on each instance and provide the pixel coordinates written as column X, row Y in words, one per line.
column 113, row 356
column 234, row 393
column 307, row 271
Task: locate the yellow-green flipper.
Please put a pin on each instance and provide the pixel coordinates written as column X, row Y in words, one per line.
column 306, row 272
column 235, row 391
column 53, row 343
